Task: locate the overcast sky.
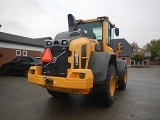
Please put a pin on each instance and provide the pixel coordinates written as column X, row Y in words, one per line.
column 138, row 20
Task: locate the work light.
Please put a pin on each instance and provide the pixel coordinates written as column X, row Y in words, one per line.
column 48, row 43
column 64, row 42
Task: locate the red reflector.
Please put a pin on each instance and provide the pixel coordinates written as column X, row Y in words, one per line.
column 47, row 55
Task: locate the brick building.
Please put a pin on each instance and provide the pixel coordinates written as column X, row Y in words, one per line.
column 12, row 46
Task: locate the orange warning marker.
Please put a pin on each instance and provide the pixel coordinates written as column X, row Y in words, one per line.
column 47, row 55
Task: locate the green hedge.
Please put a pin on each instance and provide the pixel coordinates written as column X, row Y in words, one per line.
column 138, row 57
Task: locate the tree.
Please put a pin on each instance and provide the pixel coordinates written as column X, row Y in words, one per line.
column 138, row 57
column 135, row 47
column 154, row 48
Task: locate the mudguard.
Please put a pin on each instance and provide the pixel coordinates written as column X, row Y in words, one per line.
column 121, row 66
column 98, row 63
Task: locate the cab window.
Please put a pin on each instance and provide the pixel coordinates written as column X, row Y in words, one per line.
column 91, row 30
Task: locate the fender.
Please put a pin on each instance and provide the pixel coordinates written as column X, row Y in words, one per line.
column 98, row 63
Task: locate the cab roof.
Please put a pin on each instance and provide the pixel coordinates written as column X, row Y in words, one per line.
column 96, row 19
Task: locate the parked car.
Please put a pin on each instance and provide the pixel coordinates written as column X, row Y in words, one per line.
column 20, row 65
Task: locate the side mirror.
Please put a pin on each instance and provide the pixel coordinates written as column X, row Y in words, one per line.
column 117, row 31
column 72, row 25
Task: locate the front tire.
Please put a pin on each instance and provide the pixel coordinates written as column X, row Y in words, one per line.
column 5, row 70
column 122, row 79
column 26, row 73
column 57, row 94
column 105, row 94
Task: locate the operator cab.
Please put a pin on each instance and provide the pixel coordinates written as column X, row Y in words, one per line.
column 100, row 29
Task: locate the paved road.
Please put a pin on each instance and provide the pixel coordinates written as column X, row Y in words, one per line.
column 20, row 100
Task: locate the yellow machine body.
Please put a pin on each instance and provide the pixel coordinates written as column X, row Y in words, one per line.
column 78, row 80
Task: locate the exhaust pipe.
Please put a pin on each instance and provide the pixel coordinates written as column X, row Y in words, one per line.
column 72, row 25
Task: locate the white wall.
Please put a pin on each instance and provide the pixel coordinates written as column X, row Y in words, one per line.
column 18, row 46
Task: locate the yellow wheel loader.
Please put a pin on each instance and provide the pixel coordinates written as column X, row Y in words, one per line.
column 81, row 60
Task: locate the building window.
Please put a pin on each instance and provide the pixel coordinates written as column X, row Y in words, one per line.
column 136, row 63
column 18, row 52
column 145, row 62
column 24, row 53
column 132, row 62
column 140, row 63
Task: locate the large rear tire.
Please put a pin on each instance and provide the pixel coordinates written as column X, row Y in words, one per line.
column 104, row 94
column 122, row 79
column 57, row 94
